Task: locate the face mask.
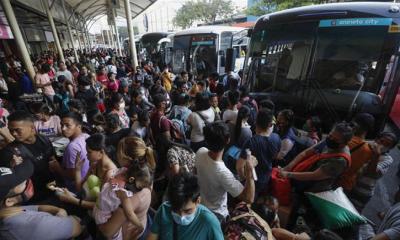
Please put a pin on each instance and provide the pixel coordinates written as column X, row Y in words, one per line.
column 332, row 144
column 86, row 87
column 183, row 220
column 28, row 192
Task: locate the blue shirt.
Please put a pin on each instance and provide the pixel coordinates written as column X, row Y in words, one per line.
column 204, row 226
column 26, row 84
column 264, row 149
column 291, row 136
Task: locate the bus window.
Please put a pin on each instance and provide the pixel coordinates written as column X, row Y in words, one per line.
column 280, row 55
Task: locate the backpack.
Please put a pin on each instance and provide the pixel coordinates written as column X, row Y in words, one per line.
column 181, row 116
column 253, row 111
column 177, row 130
column 246, row 224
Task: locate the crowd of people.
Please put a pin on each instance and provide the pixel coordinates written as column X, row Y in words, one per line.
column 98, row 150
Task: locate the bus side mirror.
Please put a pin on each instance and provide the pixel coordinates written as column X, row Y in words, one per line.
column 249, row 32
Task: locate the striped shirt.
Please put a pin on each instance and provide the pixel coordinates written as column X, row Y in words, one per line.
column 365, row 185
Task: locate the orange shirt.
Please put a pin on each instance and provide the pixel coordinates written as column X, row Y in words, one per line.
column 359, row 157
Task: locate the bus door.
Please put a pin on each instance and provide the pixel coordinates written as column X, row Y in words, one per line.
column 203, row 55
column 225, row 43
column 180, row 54
column 240, row 41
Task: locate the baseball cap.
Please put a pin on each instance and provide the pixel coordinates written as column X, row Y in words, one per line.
column 10, row 178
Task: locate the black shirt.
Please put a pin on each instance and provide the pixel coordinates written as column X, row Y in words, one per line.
column 112, row 141
column 89, row 97
column 40, row 154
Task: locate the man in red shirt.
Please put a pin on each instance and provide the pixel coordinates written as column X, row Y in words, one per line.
column 160, row 129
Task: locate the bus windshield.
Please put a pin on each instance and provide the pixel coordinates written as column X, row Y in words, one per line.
column 319, row 67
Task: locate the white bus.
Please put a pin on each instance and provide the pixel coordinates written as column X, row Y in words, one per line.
column 202, row 50
column 137, row 44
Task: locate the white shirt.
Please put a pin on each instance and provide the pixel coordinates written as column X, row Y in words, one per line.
column 3, row 85
column 230, row 116
column 66, row 73
column 215, row 181
column 112, row 68
column 138, row 130
column 196, row 135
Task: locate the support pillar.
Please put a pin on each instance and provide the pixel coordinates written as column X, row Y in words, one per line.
column 102, row 37
column 53, row 29
column 119, row 50
column 69, row 32
column 83, row 35
column 132, row 45
column 77, row 32
column 108, row 38
column 87, row 36
column 12, row 20
column 111, row 36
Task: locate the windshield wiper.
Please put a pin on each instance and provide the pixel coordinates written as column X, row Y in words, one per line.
column 325, row 101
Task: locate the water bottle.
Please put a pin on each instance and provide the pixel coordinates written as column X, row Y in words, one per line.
column 248, row 152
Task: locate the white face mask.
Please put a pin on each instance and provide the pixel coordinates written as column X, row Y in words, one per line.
column 87, row 87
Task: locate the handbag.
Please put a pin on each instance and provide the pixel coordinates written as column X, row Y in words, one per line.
column 281, row 188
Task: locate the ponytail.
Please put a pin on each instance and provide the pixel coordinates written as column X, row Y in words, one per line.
column 150, row 159
column 134, row 149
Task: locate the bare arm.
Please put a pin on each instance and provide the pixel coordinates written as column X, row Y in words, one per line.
column 240, row 165
column 248, row 192
column 112, row 226
column 49, row 209
column 55, row 167
column 152, row 236
column 76, row 227
column 299, row 157
column 5, row 133
column 381, row 236
column 68, row 198
column 286, row 146
column 316, row 175
column 129, row 211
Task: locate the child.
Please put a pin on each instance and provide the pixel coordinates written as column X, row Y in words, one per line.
column 273, row 204
column 310, row 134
column 268, row 210
column 118, row 191
column 313, row 129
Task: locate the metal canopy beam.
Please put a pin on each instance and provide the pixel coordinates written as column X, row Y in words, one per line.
column 91, row 7
column 51, row 4
column 80, row 3
column 93, row 13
